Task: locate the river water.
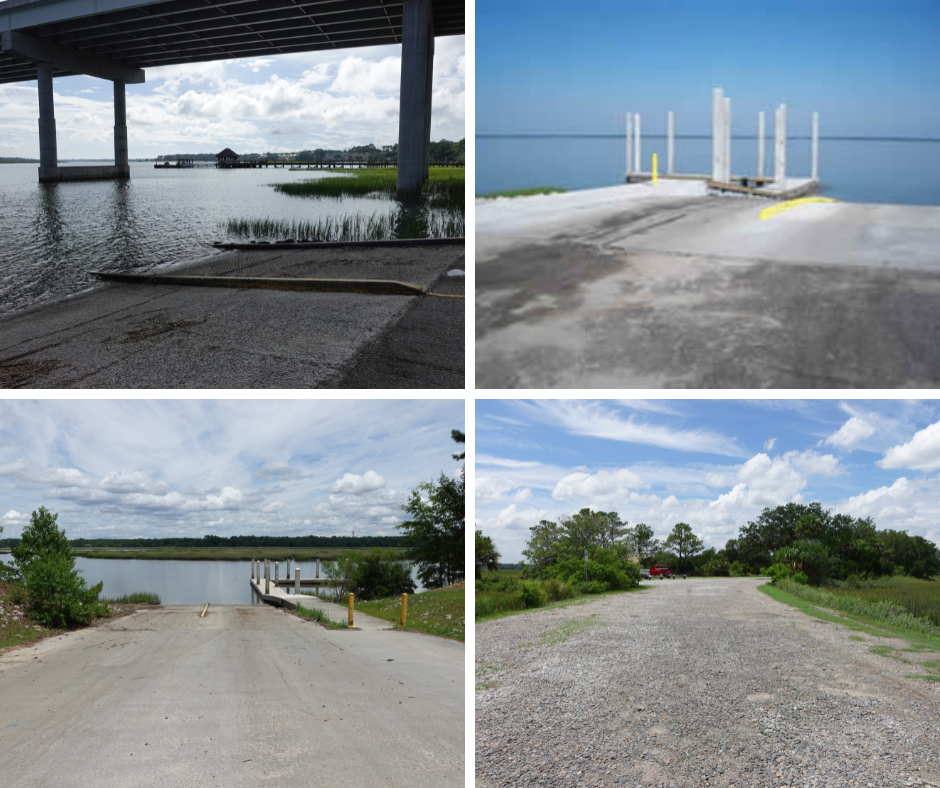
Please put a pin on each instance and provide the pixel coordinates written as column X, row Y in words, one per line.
column 879, row 171
column 182, row 582
column 51, row 235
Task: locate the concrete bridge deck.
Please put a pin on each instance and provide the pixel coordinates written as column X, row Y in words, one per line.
column 646, row 286
column 248, row 695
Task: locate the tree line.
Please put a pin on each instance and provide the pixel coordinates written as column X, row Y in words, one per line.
column 211, row 540
column 442, row 150
column 802, row 537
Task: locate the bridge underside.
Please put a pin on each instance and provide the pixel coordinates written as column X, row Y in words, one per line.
column 116, row 39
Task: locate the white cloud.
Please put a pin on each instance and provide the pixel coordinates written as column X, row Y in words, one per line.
column 522, row 496
column 487, row 459
column 869, row 502
column 601, row 485
column 278, row 470
column 351, row 483
column 850, row 434
column 920, row 453
column 598, row 420
column 769, row 444
column 14, row 517
column 514, row 519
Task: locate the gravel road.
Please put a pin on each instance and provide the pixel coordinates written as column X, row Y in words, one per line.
column 697, row 682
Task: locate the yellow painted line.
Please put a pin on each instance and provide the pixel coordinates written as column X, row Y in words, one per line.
column 773, row 210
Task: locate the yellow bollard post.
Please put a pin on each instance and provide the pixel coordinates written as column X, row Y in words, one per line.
column 404, row 608
column 351, row 600
column 655, row 169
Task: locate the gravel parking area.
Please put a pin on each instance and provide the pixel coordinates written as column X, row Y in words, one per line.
column 697, row 682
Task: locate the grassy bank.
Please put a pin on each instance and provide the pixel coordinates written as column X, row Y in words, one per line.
column 504, row 593
column 321, row 618
column 920, row 598
column 15, row 628
column 439, row 612
column 874, row 620
column 530, row 192
column 134, row 598
column 222, row 553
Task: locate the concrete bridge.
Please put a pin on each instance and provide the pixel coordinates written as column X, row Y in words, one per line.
column 117, row 39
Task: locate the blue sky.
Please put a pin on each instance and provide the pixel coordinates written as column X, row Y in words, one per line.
column 163, row 468
column 869, row 67
column 714, row 464
column 331, row 99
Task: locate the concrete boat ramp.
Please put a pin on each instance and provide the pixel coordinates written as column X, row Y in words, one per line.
column 150, row 335
column 248, row 695
column 663, row 286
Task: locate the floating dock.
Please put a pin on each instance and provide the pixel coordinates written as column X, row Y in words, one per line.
column 721, row 181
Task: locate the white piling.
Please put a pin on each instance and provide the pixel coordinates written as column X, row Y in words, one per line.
column 636, row 142
column 670, row 142
column 318, row 569
column 267, row 575
column 815, row 173
column 252, row 568
column 277, row 571
column 296, row 581
column 718, row 130
column 727, row 138
column 760, row 144
column 780, row 147
column 629, row 143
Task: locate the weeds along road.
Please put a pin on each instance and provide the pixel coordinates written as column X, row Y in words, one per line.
column 697, row 682
column 248, row 695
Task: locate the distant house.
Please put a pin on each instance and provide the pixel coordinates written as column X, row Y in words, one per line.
column 228, row 156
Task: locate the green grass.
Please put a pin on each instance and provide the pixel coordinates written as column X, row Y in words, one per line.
column 565, row 631
column 439, row 612
column 134, row 598
column 530, row 192
column 15, row 631
column 494, row 605
column 917, row 638
column 920, row 598
column 503, row 574
column 221, row 553
column 322, row 618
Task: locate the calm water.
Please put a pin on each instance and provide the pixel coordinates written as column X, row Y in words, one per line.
column 51, row 235
column 180, row 582
column 854, row 170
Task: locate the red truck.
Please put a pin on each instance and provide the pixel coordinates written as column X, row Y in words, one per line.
column 661, row 571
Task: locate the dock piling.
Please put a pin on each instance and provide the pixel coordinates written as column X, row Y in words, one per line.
column 636, row 140
column 727, row 138
column 267, row 575
column 404, row 608
column 252, row 568
column 718, row 128
column 352, row 598
column 655, row 169
column 815, row 172
column 296, row 581
column 629, row 143
column 670, row 142
column 277, row 565
column 760, row 144
column 780, row 147
column 318, row 569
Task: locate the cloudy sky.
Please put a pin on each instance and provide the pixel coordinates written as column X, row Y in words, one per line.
column 128, row 468
column 280, row 103
column 714, row 464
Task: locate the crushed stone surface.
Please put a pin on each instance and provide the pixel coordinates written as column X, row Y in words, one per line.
column 704, row 682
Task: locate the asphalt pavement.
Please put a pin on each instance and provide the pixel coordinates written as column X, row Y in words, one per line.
column 248, row 695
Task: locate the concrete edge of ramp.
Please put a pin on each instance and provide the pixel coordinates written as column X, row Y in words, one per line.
column 374, row 286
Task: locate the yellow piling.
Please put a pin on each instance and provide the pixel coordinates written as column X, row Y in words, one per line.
column 351, row 600
column 655, row 169
column 203, row 613
column 404, row 608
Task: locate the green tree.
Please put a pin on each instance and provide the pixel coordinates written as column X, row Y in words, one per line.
column 435, row 535
column 683, row 542
column 644, row 542
column 807, row 556
column 41, row 540
column 486, row 556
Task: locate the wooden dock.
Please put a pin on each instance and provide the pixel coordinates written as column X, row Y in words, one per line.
column 749, row 186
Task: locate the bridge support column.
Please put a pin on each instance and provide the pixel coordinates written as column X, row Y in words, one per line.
column 414, row 118
column 120, row 131
column 48, row 152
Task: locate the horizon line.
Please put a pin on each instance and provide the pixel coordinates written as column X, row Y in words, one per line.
column 698, row 136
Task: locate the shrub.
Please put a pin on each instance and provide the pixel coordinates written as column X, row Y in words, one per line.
column 530, row 594
column 380, row 574
column 777, row 572
column 604, row 566
column 58, row 596
column 717, row 567
column 801, row 577
column 808, row 557
column 597, row 587
column 556, row 590
column 737, row 569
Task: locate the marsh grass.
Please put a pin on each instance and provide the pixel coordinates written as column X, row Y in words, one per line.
column 446, row 186
column 920, row 598
column 530, row 192
column 135, row 598
column 321, row 618
column 439, row 612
